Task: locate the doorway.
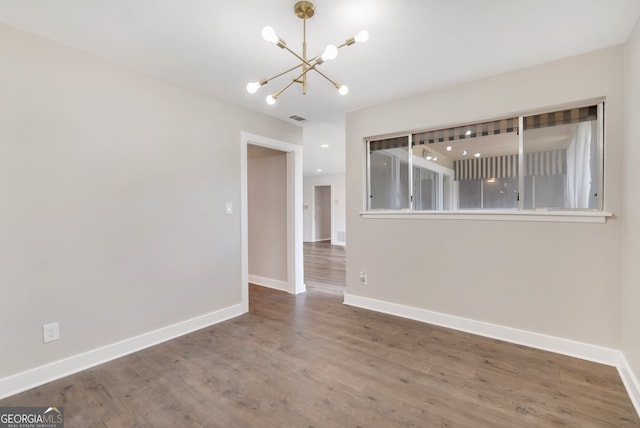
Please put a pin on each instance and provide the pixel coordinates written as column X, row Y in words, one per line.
column 294, row 228
column 267, row 217
column 322, row 213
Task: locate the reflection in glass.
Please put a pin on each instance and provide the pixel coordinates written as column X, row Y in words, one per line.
column 389, row 174
column 470, row 194
column 480, row 166
column 500, row 193
column 425, row 189
column 561, row 161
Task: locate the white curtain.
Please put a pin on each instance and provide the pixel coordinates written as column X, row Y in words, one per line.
column 578, row 184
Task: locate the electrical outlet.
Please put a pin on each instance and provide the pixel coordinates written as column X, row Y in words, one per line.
column 363, row 278
column 50, row 332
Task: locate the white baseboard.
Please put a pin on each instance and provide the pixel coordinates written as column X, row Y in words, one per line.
column 558, row 345
column 340, row 243
column 584, row 351
column 269, row 282
column 630, row 381
column 58, row 369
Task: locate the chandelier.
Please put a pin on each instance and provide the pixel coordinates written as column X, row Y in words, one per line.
column 304, row 10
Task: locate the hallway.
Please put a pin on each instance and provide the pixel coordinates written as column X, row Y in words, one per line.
column 324, row 268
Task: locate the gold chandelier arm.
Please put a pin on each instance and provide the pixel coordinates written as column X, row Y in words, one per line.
column 304, row 61
column 280, row 74
column 297, row 80
column 326, row 77
column 277, row 94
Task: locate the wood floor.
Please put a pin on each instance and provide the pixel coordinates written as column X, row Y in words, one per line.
column 324, row 268
column 310, row 361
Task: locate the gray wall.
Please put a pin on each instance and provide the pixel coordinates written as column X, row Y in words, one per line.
column 267, row 216
column 112, row 193
column 559, row 279
column 631, row 223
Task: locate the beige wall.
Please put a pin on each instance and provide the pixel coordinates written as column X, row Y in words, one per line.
column 267, row 216
column 631, row 223
column 112, row 193
column 552, row 278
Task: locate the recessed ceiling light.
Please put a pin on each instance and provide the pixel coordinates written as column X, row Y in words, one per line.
column 324, row 146
column 464, row 153
column 468, row 133
column 477, row 155
column 319, row 170
column 449, row 148
column 435, row 158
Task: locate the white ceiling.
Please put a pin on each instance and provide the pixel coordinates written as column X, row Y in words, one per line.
column 415, row 45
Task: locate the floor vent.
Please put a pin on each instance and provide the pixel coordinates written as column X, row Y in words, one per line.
column 298, row 118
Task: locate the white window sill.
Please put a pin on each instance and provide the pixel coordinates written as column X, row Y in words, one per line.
column 530, row 215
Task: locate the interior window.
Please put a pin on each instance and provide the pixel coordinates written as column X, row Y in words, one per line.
column 479, row 167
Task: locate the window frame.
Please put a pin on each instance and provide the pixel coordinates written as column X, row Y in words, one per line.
column 594, row 215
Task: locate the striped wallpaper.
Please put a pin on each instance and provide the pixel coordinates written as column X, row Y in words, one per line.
column 468, row 131
column 389, row 143
column 539, row 164
column 564, row 117
column 495, row 127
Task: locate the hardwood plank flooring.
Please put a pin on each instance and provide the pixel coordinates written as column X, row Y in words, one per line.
column 324, row 268
column 310, row 361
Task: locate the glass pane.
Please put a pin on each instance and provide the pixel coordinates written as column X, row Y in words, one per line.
column 487, row 171
column 500, row 193
column 474, row 154
column 429, row 168
column 447, row 192
column 425, row 189
column 561, row 161
column 470, row 194
column 544, row 192
column 389, row 178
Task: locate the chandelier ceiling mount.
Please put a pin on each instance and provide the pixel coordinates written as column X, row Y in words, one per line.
column 304, row 10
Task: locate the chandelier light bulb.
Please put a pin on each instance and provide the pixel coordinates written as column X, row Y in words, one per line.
column 330, row 52
column 269, row 34
column 343, row 90
column 271, row 100
column 253, row 87
column 362, row 36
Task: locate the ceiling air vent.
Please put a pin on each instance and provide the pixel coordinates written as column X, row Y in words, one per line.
column 298, row 118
